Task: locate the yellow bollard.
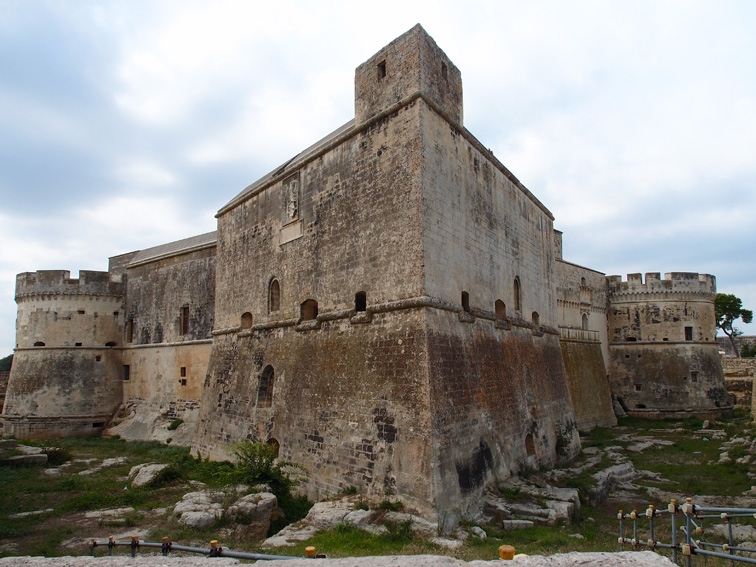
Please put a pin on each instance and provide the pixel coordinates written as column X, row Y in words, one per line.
column 310, row 551
column 506, row 552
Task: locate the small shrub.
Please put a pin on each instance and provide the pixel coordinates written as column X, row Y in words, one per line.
column 361, row 504
column 256, row 463
column 167, row 476
column 347, row 490
column 56, row 456
column 174, row 425
column 400, row 532
column 390, row 506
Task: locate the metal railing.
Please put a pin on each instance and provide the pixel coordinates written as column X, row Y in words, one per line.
column 214, row 550
column 690, row 518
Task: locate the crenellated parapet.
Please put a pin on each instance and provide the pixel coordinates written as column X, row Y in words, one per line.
column 680, row 286
column 51, row 283
column 664, row 359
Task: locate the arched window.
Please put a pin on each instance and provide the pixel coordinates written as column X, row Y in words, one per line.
column 500, row 309
column 265, row 388
column 466, row 302
column 246, row 320
column 536, row 319
column 39, row 343
column 273, row 442
column 308, row 310
column 274, row 295
column 585, row 322
column 360, row 301
column 582, row 281
column 517, row 294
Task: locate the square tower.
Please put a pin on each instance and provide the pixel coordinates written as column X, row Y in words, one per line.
column 411, row 65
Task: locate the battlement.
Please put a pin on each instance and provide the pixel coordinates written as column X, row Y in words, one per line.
column 60, row 282
column 673, row 282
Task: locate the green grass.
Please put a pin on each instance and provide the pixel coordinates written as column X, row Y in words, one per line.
column 690, row 463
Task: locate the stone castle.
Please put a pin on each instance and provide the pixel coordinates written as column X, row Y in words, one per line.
column 390, row 308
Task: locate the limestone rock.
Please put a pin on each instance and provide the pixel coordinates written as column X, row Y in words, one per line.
column 21, row 460
column 254, row 513
column 478, row 532
column 495, row 508
column 364, row 520
column 144, row 473
column 740, row 532
column 327, row 515
column 517, row 524
column 446, row 542
column 199, row 509
column 609, row 478
column 32, row 513
column 108, row 514
column 419, row 525
column 27, row 450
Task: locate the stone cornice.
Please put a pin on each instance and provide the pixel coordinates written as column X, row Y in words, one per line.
column 356, row 317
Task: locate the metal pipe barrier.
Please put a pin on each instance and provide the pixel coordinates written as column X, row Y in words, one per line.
column 691, row 518
column 215, row 550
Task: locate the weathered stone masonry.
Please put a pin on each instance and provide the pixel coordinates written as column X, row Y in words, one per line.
column 390, row 308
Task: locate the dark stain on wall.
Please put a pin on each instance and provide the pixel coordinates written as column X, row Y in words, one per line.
column 471, row 473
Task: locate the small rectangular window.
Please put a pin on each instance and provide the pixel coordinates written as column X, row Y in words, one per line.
column 183, row 381
column 126, row 372
column 382, row 69
column 183, row 371
column 694, row 376
column 184, row 321
column 688, row 333
column 638, row 387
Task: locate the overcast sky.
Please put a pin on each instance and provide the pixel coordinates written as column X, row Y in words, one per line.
column 124, row 125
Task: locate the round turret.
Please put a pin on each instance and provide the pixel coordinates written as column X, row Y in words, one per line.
column 67, row 334
column 664, row 358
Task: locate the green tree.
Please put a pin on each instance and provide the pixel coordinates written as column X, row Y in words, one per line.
column 5, row 363
column 748, row 351
column 729, row 309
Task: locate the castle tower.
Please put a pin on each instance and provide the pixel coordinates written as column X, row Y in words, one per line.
column 664, row 357
column 389, row 321
column 66, row 374
column 410, row 66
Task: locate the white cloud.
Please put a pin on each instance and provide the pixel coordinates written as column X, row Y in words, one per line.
column 627, row 120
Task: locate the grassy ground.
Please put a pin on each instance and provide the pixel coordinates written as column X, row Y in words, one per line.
column 689, row 463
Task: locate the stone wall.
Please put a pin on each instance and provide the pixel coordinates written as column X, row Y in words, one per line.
column 664, row 359
column 171, row 296
column 4, row 377
column 581, row 312
column 588, row 383
column 739, row 373
column 385, row 310
column 60, row 392
column 726, row 346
